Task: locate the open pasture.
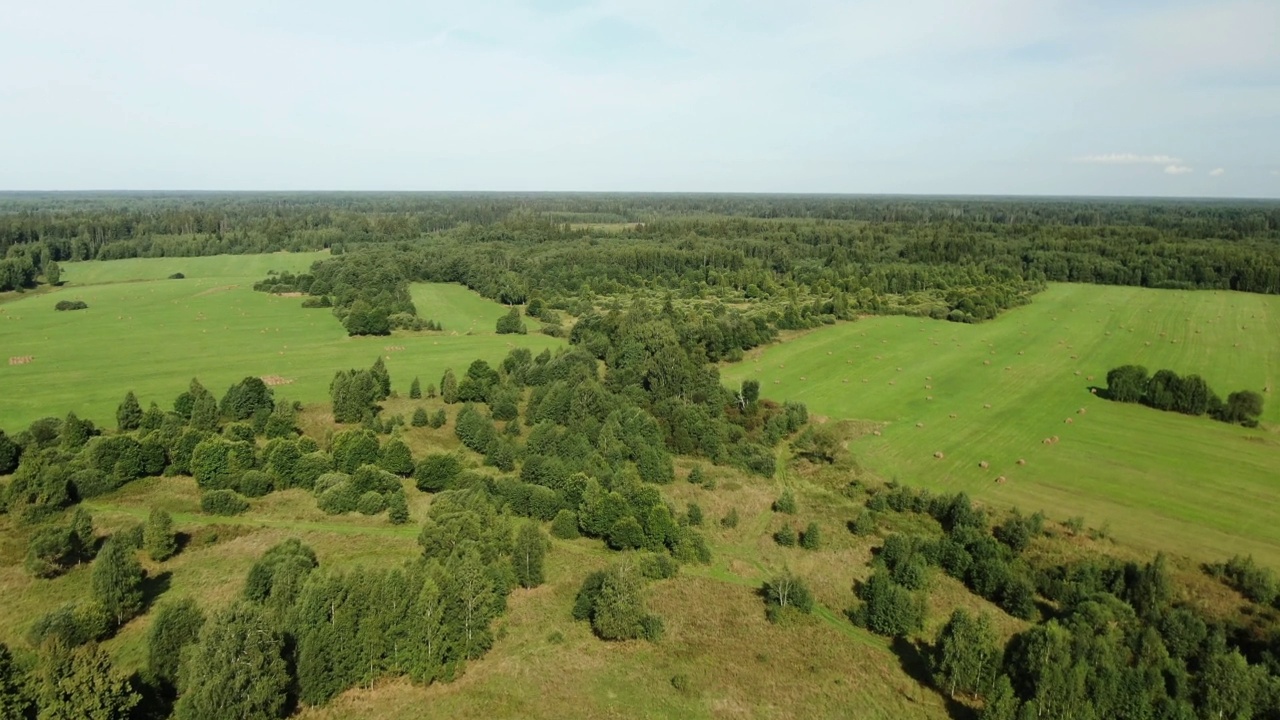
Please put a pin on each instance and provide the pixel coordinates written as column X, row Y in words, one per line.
column 1014, row 394
column 145, row 333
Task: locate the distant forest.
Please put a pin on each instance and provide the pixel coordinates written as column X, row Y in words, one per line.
column 802, row 259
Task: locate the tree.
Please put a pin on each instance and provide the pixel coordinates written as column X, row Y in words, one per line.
column 617, row 610
column 419, row 418
column 395, row 458
column 353, row 449
column 1003, row 703
column 436, row 472
column 510, row 323
column 14, row 703
column 158, row 537
column 236, row 671
column 397, row 509
column 80, row 684
column 786, row 503
column 415, row 390
column 888, row 608
column 204, row 413
column 50, row 551
column 10, row 454
column 245, row 398
column 965, row 656
column 1127, row 383
column 750, row 392
column 786, row 594
column 117, row 580
column 786, row 536
column 811, row 538
column 382, row 377
column 129, row 414
column 449, row 387
column 177, row 625
column 52, row 273
column 527, row 554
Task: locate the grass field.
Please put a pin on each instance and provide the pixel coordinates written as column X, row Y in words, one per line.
column 1158, row 479
column 145, row 333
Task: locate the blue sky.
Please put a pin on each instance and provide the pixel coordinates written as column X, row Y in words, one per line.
column 1070, row 97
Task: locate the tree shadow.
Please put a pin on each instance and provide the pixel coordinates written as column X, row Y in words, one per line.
column 180, row 542
column 915, row 663
column 153, row 586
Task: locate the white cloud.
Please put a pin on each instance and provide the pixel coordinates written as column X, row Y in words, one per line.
column 1176, row 169
column 1128, row 159
column 1217, row 172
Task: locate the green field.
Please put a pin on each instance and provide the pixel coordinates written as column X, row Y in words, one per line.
column 1156, row 479
column 145, row 333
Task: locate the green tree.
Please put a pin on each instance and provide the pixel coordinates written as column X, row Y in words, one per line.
column 117, row 580
column 785, row 594
column 382, row 377
column 250, row 395
column 618, row 609
column 51, row 550
column 397, row 508
column 510, row 323
column 965, row 656
column 1003, row 703
column 14, row 703
column 129, row 413
column 419, row 418
column 786, row 536
column 236, row 671
column 353, row 449
column 80, row 684
column 449, row 387
column 204, row 413
column 811, row 538
column 1227, row 687
column 52, row 273
column 158, row 538
column 10, row 454
column 395, row 458
column 527, row 553
column 438, row 419
column 436, row 472
column 415, row 390
column 176, row 625
column 786, row 503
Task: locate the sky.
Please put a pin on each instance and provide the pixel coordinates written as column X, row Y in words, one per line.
column 1025, row 97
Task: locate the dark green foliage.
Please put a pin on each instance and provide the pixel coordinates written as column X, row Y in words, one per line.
column 245, row 398
column 10, row 454
column 436, row 472
column 176, row 625
column 786, row 595
column 222, row 502
column 864, row 524
column 887, row 607
column 72, row 624
column 1252, row 580
column 438, row 419
column 565, row 525
column 204, row 413
column 80, row 683
column 730, row 520
column 117, row 580
column 419, row 418
column 510, row 323
column 362, row 319
column 397, row 508
column 371, row 503
column 656, row 566
column 786, row 503
column 276, row 579
column 71, row 305
column 158, row 539
column 236, row 671
column 129, row 413
column 1127, row 383
column 254, row 483
column 353, row 449
column 811, row 538
column 415, row 390
column 1017, row 531
column 449, row 387
column 355, row 395
column 696, row 475
column 1189, row 395
column 693, row 514
column 965, row 657
column 217, row 464
column 14, row 700
column 527, row 555
column 51, row 550
column 395, row 458
column 626, row 534
column 786, row 536
column 613, row 601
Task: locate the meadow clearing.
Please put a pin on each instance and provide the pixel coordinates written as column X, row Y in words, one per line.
column 1002, row 391
column 146, row 333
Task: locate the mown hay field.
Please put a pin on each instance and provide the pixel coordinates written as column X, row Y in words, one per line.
column 1018, row 389
column 146, row 333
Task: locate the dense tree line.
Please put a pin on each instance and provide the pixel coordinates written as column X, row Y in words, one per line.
column 1190, row 395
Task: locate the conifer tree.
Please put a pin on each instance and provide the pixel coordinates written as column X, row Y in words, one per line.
column 80, row 684
column 177, row 625
column 129, row 414
column 415, row 390
column 117, row 580
column 236, row 671
column 158, row 537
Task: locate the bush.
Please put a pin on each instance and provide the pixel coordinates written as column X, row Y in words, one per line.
column 397, row 508
column 811, row 538
column 339, row 499
column 254, row 483
column 438, row 419
column 786, row 503
column 436, row 472
column 565, row 525
column 371, row 503
column 864, row 524
column 694, row 514
column 64, row 305
column 786, row 595
column 786, row 536
column 731, row 519
column 222, row 502
column 888, row 608
column 73, row 624
column 419, row 418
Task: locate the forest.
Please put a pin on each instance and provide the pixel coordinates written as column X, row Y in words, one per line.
column 651, row 293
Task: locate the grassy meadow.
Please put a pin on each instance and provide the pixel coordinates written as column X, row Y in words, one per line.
column 995, row 392
column 145, row 333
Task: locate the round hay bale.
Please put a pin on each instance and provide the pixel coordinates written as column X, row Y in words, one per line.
column 1069, row 421
column 1047, row 441
column 1021, row 352
column 892, row 382
column 845, row 380
column 1093, row 390
column 1000, row 480
column 984, row 464
column 986, row 362
column 1022, row 461
column 1090, row 378
column 1054, row 439
column 803, row 378
column 939, row 455
column 953, row 416
column 1082, row 411
column 928, row 397
column 876, row 433
column 986, row 406
column 919, row 424
column 928, row 387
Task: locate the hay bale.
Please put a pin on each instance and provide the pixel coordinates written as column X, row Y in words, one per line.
column 953, row 416
column 845, row 380
column 986, row 362
column 919, row 424
column 928, row 397
column 1081, row 411
column 939, row 455
column 986, row 406
column 984, row 464
column 1054, row 439
column 1000, row 480
column 1046, row 441
column 928, row 387
column 802, row 378
column 1021, row 461
column 1069, row 421
column 876, row 433
column 1021, row 352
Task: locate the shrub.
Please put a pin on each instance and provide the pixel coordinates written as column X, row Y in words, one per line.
column 419, row 418
column 811, row 538
column 397, row 508
column 371, row 503
column 694, row 514
column 565, row 525
column 785, row 595
column 438, row 419
column 222, row 502
column 786, row 536
column 888, row 608
column 158, row 538
column 786, row 503
column 64, row 305
column 254, row 483
column 339, row 499
column 436, row 472
column 731, row 519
